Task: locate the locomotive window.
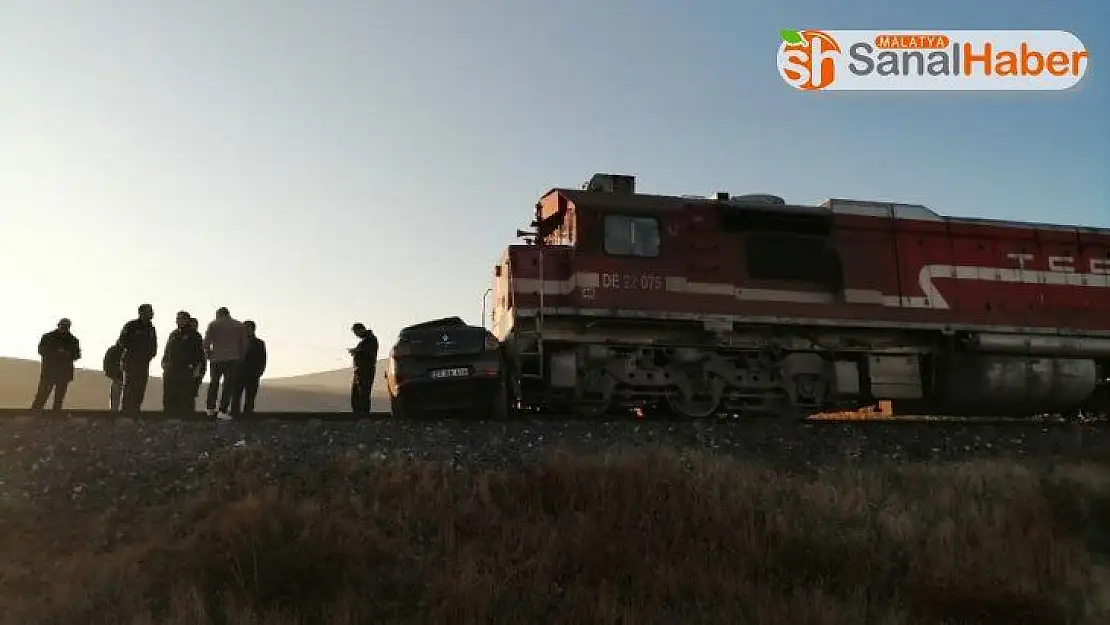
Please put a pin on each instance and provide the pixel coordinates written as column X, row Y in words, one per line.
column 778, row 257
column 626, row 235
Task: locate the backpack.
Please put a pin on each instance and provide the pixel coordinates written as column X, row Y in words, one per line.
column 112, row 366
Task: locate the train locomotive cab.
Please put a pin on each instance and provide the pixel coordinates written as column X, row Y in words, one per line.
column 623, row 301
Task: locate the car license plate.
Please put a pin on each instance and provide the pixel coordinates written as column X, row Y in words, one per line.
column 457, row 372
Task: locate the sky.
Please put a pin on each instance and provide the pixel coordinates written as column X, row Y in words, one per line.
column 314, row 163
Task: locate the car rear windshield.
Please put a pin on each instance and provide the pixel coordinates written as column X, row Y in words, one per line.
column 441, row 341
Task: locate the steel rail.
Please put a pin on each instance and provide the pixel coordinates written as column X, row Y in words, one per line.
column 526, row 417
column 158, row 415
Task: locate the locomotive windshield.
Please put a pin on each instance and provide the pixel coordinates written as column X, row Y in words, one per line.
column 628, row 235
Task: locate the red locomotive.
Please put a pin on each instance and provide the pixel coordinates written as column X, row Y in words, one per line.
column 748, row 305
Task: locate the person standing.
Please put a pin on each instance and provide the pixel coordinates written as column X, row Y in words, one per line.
column 138, row 341
column 251, row 370
column 202, row 367
column 182, row 355
column 114, row 372
column 225, row 342
column 365, row 357
column 59, row 349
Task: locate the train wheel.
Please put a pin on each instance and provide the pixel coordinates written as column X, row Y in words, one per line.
column 692, row 408
column 696, row 403
column 593, row 397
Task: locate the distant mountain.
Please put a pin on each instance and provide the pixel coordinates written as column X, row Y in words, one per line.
column 89, row 389
column 338, row 380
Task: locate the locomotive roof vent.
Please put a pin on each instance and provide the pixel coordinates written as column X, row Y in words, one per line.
column 757, row 198
column 617, row 184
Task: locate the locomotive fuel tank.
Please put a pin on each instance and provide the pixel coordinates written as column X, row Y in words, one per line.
column 1014, row 386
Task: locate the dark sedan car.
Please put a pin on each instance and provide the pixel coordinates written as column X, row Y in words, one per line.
column 446, row 366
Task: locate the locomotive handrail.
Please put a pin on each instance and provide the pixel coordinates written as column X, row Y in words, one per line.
column 485, row 297
column 542, row 244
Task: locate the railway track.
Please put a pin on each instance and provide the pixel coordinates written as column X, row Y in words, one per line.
column 863, row 419
column 90, row 459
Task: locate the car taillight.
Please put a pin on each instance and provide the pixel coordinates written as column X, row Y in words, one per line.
column 492, row 343
column 400, row 349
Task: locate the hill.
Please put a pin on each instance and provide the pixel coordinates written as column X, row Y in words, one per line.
column 89, row 389
column 336, row 380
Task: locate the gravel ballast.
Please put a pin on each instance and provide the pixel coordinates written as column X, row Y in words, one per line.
column 86, row 464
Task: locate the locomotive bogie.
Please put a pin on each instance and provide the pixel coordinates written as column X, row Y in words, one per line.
column 756, row 376
column 693, row 382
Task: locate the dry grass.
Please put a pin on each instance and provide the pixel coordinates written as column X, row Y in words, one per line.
column 648, row 539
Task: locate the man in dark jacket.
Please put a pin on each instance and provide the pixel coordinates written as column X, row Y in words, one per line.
column 59, row 349
column 113, row 370
column 365, row 357
column 181, row 360
column 139, row 342
column 250, row 370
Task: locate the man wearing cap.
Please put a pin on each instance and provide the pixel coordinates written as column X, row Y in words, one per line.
column 58, row 349
column 365, row 357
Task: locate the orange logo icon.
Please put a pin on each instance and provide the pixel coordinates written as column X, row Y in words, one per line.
column 807, row 59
